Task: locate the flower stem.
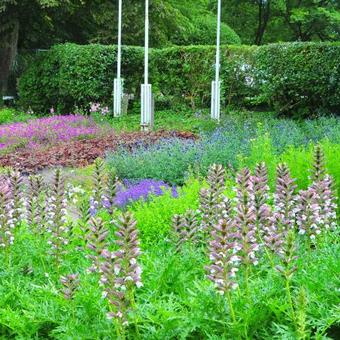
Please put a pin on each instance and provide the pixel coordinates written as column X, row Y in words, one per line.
column 231, row 308
column 289, row 296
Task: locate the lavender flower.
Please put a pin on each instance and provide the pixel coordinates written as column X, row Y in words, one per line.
column 142, row 190
column 70, row 285
column 121, row 273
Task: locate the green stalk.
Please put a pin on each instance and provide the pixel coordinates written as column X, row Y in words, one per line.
column 231, row 308
column 289, row 296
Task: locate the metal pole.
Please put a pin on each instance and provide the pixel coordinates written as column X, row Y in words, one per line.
column 218, row 42
column 146, row 51
column 216, row 85
column 119, row 58
column 118, row 84
column 146, row 89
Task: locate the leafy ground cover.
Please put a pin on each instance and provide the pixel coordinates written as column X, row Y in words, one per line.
column 72, row 141
column 61, row 275
column 47, row 131
column 235, row 142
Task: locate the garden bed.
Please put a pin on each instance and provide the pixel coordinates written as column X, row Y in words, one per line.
column 81, row 152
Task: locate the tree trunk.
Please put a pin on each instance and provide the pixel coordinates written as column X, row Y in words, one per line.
column 263, row 17
column 8, row 51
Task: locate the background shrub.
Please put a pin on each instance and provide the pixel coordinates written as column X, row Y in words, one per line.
column 300, row 79
column 292, row 78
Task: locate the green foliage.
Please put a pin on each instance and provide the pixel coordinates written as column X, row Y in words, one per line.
column 176, row 301
column 156, row 215
column 300, row 80
column 11, row 115
column 180, row 119
column 296, row 79
column 239, row 141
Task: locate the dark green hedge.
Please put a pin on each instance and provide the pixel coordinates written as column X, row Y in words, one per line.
column 293, row 78
column 300, row 79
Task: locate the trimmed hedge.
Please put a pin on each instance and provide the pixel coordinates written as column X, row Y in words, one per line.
column 293, row 78
column 300, row 79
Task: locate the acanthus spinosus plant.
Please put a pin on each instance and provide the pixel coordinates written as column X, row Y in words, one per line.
column 36, row 203
column 120, row 270
column 284, row 199
column 224, row 259
column 186, row 228
column 245, row 218
column 259, row 196
column 56, row 217
column 6, row 214
column 96, row 237
column 17, row 199
column 70, row 284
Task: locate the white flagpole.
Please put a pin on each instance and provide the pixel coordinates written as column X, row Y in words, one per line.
column 216, row 85
column 146, row 51
column 146, row 89
column 118, row 84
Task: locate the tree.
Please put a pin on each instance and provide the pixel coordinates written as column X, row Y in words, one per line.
column 24, row 17
column 312, row 19
column 263, row 21
column 263, row 18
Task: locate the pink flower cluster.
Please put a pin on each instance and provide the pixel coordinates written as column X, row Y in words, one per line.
column 46, row 131
column 97, row 108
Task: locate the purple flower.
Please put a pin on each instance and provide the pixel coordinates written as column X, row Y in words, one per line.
column 142, row 190
column 47, row 131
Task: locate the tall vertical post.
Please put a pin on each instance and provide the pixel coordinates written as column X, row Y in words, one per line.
column 118, row 83
column 216, row 84
column 146, row 89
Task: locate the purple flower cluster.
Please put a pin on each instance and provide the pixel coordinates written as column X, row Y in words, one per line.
column 47, row 131
column 142, row 190
column 127, row 193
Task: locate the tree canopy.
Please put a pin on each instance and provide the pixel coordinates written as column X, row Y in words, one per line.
column 39, row 24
